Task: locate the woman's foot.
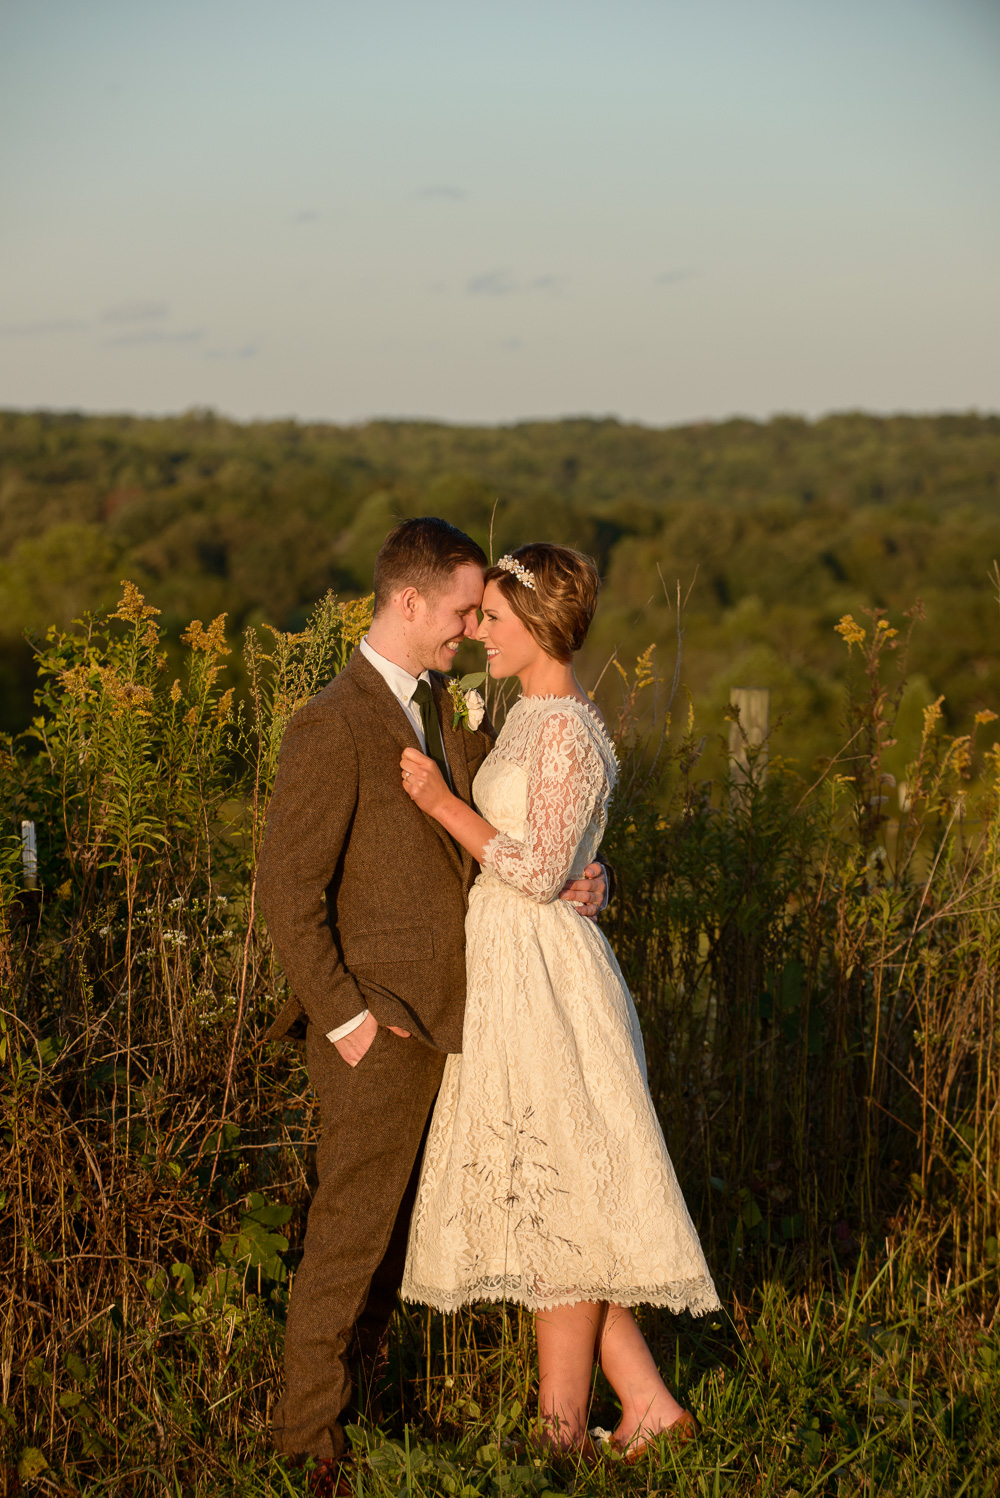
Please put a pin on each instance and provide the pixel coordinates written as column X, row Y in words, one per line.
column 546, row 1443
column 645, row 1437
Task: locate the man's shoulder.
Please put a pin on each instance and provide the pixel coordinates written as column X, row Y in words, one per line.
column 334, row 710
column 338, row 694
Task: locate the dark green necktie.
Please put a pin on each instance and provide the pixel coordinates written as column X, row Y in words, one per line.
column 424, row 698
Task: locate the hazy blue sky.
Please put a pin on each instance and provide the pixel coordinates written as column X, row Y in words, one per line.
column 486, row 209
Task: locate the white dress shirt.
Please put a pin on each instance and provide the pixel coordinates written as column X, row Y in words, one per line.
column 402, row 686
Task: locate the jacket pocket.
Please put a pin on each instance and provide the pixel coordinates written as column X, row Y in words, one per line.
column 391, row 944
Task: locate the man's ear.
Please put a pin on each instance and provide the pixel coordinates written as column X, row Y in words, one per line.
column 407, row 601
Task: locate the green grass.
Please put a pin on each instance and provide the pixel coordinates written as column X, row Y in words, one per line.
column 877, row 1386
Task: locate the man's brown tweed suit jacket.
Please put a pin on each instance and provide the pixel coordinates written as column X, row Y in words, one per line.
column 363, row 893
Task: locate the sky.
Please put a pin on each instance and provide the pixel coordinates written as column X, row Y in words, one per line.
column 488, row 210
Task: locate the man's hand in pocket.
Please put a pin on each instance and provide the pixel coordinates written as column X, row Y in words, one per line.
column 354, row 1046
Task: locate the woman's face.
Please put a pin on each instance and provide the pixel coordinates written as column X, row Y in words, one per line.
column 510, row 646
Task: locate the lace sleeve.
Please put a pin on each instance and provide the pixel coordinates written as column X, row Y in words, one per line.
column 566, row 779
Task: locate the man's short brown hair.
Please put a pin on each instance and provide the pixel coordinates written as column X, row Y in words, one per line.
column 423, row 554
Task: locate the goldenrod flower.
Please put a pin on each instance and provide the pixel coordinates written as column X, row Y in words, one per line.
column 132, row 606
column 851, row 631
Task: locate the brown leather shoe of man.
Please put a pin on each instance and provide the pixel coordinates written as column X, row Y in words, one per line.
column 330, row 1478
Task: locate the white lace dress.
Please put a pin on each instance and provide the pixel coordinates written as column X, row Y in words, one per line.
column 545, row 1178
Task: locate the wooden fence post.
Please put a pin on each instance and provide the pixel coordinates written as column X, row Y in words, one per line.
column 29, row 855
column 754, row 706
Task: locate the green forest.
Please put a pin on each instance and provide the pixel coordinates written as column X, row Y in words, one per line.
column 772, row 532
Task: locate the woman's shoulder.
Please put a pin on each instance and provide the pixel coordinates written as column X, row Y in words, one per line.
column 571, row 718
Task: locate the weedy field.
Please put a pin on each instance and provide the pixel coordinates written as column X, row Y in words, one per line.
column 814, row 958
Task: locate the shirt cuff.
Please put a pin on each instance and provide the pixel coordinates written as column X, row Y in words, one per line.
column 352, row 1024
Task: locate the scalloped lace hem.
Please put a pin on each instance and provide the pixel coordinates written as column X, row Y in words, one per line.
column 697, row 1296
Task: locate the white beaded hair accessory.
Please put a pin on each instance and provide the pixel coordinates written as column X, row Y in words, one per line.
column 524, row 577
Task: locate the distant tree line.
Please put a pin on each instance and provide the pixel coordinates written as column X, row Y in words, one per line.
column 774, row 531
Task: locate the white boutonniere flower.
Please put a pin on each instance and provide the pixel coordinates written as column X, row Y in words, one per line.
column 468, row 703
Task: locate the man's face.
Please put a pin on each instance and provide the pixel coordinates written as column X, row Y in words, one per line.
column 446, row 618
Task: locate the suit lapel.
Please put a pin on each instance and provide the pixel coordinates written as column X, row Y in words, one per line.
column 394, row 719
column 401, row 730
column 454, row 750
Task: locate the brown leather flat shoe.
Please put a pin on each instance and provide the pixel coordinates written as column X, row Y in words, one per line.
column 683, row 1429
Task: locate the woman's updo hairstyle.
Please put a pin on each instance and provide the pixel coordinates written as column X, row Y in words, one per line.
column 559, row 608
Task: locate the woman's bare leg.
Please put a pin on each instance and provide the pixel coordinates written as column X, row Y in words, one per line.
column 567, row 1339
column 647, row 1404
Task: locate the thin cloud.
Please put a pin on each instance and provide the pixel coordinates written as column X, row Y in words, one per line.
column 248, row 351
column 443, row 191
column 306, row 216
column 135, row 312
column 671, row 277
column 505, row 283
column 154, row 336
column 39, row 329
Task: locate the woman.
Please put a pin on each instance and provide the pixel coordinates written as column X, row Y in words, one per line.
column 545, row 1179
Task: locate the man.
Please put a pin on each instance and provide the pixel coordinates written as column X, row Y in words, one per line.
column 365, row 900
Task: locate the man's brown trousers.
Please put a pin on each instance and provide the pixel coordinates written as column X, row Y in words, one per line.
column 374, row 1118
